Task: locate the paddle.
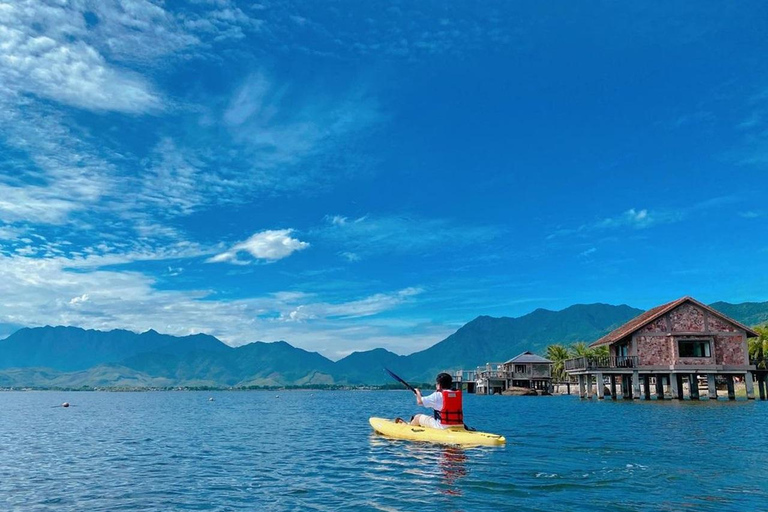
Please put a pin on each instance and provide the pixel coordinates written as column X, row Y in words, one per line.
column 401, row 381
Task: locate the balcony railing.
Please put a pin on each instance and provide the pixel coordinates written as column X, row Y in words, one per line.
column 600, row 362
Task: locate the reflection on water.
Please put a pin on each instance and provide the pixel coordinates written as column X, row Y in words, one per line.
column 453, row 464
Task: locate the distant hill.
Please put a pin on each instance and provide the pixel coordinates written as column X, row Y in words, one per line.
column 486, row 339
column 748, row 313
column 72, row 348
column 74, row 357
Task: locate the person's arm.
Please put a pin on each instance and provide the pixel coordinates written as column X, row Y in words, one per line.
column 419, row 400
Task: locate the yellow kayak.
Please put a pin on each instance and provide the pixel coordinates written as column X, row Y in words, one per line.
column 451, row 435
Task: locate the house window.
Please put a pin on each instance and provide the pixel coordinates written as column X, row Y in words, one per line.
column 519, row 368
column 693, row 348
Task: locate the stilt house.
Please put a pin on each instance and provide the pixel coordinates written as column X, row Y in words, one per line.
column 680, row 342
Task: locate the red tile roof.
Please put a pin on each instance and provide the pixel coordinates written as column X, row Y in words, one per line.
column 649, row 316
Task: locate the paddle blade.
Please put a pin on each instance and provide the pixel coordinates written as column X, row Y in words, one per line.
column 401, row 381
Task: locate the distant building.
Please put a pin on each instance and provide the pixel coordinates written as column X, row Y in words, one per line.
column 524, row 371
column 667, row 348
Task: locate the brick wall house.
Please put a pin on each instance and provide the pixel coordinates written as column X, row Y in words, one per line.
column 681, row 340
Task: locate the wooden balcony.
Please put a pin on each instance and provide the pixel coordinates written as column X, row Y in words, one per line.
column 600, row 363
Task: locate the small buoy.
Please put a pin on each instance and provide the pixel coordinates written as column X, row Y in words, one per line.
column 210, row 399
column 277, row 396
column 65, row 404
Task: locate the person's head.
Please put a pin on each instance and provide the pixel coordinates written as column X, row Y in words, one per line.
column 444, row 381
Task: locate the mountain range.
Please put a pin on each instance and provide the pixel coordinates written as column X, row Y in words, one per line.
column 72, row 357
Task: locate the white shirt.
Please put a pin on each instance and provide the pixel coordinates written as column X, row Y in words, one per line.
column 435, row 400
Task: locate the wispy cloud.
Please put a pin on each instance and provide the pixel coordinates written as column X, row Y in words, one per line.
column 639, row 219
column 270, row 245
column 369, row 235
column 276, row 127
column 367, row 306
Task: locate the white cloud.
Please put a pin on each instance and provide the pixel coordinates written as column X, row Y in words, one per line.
column 42, row 56
column 270, row 245
column 634, row 218
column 78, row 291
column 77, row 300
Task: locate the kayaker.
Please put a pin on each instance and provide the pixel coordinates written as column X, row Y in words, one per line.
column 445, row 402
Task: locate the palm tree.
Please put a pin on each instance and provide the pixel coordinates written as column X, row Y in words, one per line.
column 558, row 353
column 580, row 349
column 758, row 347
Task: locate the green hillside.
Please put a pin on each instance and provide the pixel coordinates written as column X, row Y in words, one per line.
column 74, row 357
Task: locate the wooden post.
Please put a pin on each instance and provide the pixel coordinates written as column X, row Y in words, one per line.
column 568, row 385
column 694, row 384
column 613, row 387
column 711, row 386
column 731, row 388
column 761, row 385
column 659, row 387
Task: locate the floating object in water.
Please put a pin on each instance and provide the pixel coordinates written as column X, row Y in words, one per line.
column 450, row 435
column 210, row 399
column 277, row 396
column 65, row 404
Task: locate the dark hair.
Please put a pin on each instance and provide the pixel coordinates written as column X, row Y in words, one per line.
column 445, row 380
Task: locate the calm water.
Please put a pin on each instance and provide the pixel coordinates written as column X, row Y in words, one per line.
column 257, row 451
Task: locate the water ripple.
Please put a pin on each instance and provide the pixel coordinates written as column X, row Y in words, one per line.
column 249, row 451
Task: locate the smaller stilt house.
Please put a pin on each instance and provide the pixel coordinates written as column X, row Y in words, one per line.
column 668, row 350
column 529, row 371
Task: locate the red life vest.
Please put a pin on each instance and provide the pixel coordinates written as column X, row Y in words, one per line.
column 452, row 412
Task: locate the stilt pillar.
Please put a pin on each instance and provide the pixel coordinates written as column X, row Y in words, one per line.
column 626, row 388
column 693, row 382
column 673, row 385
column 635, row 384
column 613, row 387
column 589, row 385
column 659, row 387
column 761, row 385
column 600, row 385
column 679, row 380
column 582, row 390
column 647, row 386
column 731, row 387
column 750, row 386
column 711, row 388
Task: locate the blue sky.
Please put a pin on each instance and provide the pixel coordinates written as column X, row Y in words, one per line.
column 351, row 175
